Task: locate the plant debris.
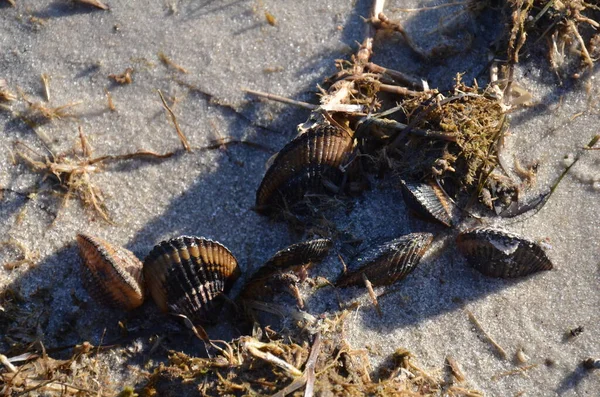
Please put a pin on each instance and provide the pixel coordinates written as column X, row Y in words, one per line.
column 286, row 364
column 169, row 63
column 182, row 137
column 25, row 256
column 123, row 78
column 74, row 171
column 46, row 82
column 270, row 18
column 5, row 94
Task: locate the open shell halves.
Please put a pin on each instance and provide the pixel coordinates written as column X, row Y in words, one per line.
column 111, row 274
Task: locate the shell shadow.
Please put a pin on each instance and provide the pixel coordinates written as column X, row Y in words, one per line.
column 441, row 283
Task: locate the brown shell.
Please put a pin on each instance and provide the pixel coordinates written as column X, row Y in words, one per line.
column 428, row 201
column 188, row 275
column 296, row 255
column 497, row 253
column 311, row 163
column 112, row 274
column 390, row 262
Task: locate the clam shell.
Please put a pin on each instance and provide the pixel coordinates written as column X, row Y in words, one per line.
column 188, row 275
column 112, row 274
column 389, row 262
column 427, row 200
column 287, row 259
column 311, row 163
column 497, row 253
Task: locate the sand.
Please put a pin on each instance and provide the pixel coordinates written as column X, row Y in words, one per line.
column 224, row 47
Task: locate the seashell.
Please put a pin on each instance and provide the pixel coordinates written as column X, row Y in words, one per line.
column 389, row 262
column 188, row 275
column 311, row 163
column 427, row 200
column 112, row 274
column 497, row 253
column 288, row 259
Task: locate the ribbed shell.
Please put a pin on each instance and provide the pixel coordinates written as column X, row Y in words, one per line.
column 427, row 200
column 497, row 253
column 305, row 165
column 186, row 274
column 112, row 274
column 389, row 262
column 287, row 259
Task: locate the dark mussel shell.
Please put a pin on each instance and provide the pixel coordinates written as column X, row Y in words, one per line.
column 112, row 274
column 288, row 259
column 427, row 200
column 497, row 253
column 311, row 163
column 389, row 262
column 188, row 275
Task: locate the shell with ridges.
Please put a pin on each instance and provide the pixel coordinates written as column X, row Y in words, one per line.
column 305, row 165
column 389, row 262
column 111, row 274
column 188, row 275
column 427, row 200
column 497, row 253
column 287, row 259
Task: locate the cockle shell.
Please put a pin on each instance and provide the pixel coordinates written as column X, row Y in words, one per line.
column 389, row 262
column 497, row 253
column 111, row 274
column 427, row 200
column 188, row 275
column 287, row 259
column 311, row 163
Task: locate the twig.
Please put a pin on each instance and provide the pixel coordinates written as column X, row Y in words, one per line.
column 169, row 63
column 46, row 81
column 586, row 55
column 455, row 369
column 281, row 99
column 309, row 370
column 7, row 364
column 369, row 287
column 461, row 391
column 111, row 104
column 542, row 200
column 477, row 324
column 513, row 372
column 253, row 347
column 344, row 267
column 382, row 22
column 128, row 156
column 394, row 89
column 457, row 3
column 182, row 137
column 400, row 77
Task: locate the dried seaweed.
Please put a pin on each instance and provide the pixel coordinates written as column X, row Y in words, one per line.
column 74, row 171
column 290, row 364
